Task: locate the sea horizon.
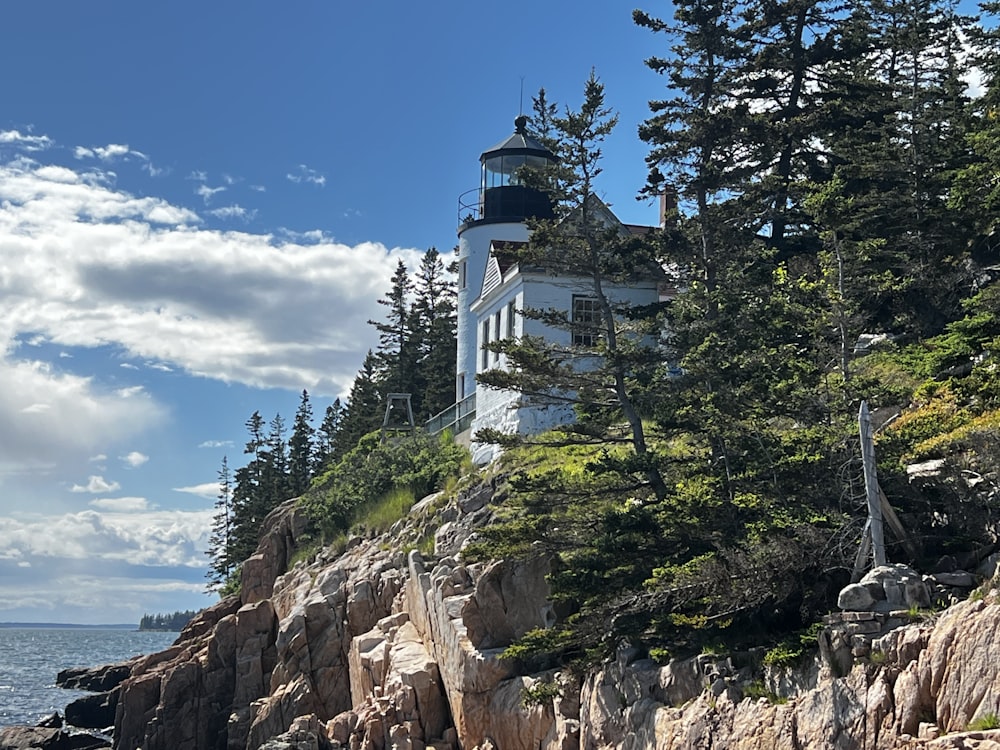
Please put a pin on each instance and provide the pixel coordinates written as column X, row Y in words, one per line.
column 72, row 625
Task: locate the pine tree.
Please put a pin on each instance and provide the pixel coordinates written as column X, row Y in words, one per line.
column 301, row 450
column 579, row 243
column 249, row 500
column 326, row 442
column 276, row 489
column 433, row 330
column 219, row 541
column 365, row 406
column 905, row 243
column 396, row 354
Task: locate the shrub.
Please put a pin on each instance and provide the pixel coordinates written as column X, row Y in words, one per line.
column 376, row 482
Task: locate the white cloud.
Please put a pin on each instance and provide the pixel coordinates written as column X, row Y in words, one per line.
column 98, row 458
column 96, row 484
column 135, row 459
column 50, row 416
column 111, row 152
column 121, row 504
column 310, row 237
column 198, row 175
column 306, row 174
column 258, row 188
column 215, row 444
column 88, row 265
column 207, row 490
column 153, row 171
column 234, row 211
column 128, row 533
column 25, row 141
column 205, row 192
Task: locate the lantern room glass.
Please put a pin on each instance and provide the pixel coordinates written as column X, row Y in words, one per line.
column 503, row 170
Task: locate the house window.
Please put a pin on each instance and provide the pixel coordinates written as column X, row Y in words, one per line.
column 461, row 275
column 496, row 327
column 511, row 309
column 586, row 320
column 485, row 357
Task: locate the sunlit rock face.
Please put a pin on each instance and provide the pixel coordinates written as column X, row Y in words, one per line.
column 376, row 648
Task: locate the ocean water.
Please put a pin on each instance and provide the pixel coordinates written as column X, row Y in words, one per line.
column 30, row 659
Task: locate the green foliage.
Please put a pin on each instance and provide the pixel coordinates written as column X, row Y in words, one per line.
column 306, row 549
column 757, row 690
column 542, row 693
column 376, row 482
column 792, row 650
column 393, row 506
column 896, row 444
column 985, row 722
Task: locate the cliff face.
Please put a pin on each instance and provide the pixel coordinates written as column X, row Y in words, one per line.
column 378, row 648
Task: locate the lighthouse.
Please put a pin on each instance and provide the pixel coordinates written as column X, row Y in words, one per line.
column 496, row 211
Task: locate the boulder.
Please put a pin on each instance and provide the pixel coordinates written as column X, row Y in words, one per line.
column 855, row 598
column 45, row 738
column 52, row 721
column 95, row 679
column 95, row 711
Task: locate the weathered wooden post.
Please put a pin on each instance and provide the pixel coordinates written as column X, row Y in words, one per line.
column 871, row 485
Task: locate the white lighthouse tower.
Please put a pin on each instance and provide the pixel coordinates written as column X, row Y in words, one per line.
column 496, row 211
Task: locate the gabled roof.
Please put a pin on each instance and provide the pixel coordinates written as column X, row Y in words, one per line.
column 503, row 263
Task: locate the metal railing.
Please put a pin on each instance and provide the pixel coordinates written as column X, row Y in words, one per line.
column 457, row 417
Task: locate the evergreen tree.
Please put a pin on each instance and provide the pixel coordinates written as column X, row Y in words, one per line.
column 434, row 330
column 249, row 499
column 365, row 407
column 221, row 562
column 276, row 488
column 301, row 448
column 580, row 243
column 888, row 210
column 396, row 354
column 326, row 436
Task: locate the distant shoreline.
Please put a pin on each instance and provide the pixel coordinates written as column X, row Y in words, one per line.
column 68, row 626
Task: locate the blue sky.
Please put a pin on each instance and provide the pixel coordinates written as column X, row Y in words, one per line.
column 200, row 204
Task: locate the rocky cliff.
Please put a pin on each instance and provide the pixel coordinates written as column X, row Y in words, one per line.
column 377, row 647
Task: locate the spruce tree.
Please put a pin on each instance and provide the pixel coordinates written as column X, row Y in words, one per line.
column 433, row 330
column 396, row 354
column 250, row 504
column 365, row 407
column 580, row 243
column 326, row 436
column 301, row 448
column 221, row 563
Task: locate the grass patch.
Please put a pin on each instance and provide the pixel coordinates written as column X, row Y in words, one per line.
column 382, row 514
column 757, row 690
column 305, row 551
column 985, row 722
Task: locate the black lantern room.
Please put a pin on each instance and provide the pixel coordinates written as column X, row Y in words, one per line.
column 502, row 196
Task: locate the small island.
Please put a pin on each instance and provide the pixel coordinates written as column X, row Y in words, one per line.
column 173, row 622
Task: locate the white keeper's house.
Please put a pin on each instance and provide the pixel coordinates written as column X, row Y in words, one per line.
column 493, row 288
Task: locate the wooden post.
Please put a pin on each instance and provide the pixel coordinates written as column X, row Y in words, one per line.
column 871, row 484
